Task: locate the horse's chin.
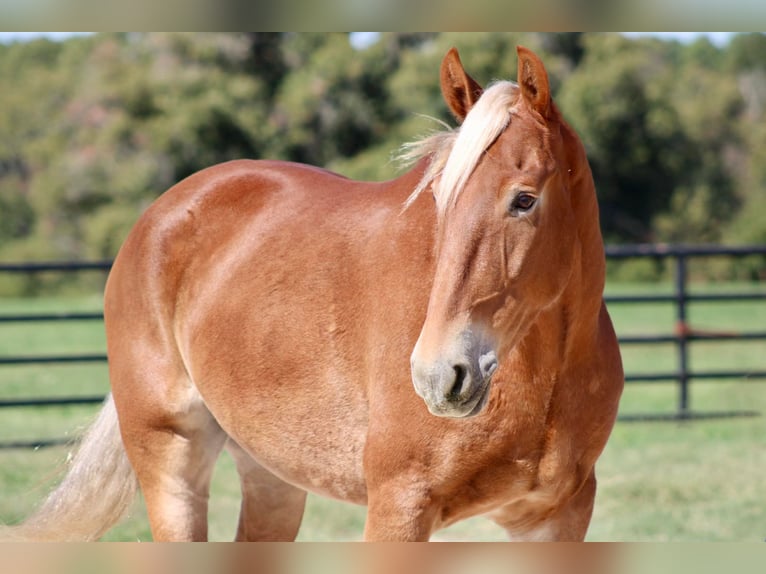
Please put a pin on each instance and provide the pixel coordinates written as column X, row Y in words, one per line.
column 470, row 408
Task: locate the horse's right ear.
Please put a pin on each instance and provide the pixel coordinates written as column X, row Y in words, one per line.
column 460, row 90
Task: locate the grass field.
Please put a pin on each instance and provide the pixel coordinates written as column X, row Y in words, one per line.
column 698, row 480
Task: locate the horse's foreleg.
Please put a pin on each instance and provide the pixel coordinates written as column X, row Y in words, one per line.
column 399, row 511
column 272, row 510
column 568, row 523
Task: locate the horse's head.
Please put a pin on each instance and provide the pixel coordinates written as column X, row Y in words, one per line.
column 507, row 198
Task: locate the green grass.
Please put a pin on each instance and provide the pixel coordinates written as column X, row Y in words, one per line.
column 690, row 481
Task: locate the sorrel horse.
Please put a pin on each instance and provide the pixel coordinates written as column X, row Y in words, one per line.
column 285, row 313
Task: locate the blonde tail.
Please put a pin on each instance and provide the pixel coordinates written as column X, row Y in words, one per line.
column 95, row 493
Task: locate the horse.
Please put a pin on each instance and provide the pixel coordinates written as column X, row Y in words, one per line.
column 435, row 347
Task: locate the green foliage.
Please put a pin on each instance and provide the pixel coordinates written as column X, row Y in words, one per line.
column 618, row 101
column 747, row 51
column 94, row 128
column 334, row 104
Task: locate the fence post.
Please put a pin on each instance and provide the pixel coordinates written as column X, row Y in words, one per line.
column 682, row 331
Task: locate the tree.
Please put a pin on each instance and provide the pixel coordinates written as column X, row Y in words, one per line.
column 631, row 131
column 747, row 52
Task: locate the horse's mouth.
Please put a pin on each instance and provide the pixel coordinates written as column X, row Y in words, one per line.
column 482, row 402
column 470, row 407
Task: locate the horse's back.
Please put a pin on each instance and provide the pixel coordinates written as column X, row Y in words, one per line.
column 236, row 209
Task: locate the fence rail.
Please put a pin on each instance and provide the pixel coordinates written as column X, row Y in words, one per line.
column 682, row 338
column 685, row 334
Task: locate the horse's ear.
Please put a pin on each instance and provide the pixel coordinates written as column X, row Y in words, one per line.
column 533, row 81
column 460, row 90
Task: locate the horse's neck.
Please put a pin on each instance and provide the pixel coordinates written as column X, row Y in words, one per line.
column 567, row 327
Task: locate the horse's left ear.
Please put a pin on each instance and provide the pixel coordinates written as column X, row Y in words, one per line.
column 533, row 81
column 460, row 90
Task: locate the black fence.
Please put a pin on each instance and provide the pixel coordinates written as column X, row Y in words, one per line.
column 682, row 338
column 50, row 359
column 685, row 334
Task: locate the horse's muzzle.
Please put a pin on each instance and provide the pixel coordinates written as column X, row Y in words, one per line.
column 455, row 386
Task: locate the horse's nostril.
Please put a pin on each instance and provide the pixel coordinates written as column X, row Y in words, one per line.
column 458, row 382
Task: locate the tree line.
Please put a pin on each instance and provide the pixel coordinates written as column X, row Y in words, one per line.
column 93, row 129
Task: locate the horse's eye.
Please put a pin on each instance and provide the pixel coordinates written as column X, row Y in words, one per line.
column 523, row 202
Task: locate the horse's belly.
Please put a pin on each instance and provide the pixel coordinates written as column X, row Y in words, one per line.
column 309, row 440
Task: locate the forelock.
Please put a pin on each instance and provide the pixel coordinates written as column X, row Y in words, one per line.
column 456, row 153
